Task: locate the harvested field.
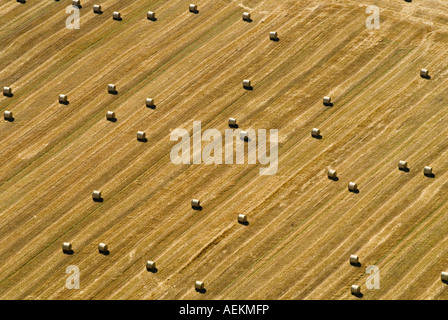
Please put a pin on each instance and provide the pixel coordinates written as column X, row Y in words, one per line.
column 302, row 227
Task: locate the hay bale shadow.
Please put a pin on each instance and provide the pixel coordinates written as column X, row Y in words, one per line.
column 105, row 253
column 152, row 270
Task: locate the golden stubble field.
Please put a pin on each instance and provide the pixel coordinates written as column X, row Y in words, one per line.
column 302, row 226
